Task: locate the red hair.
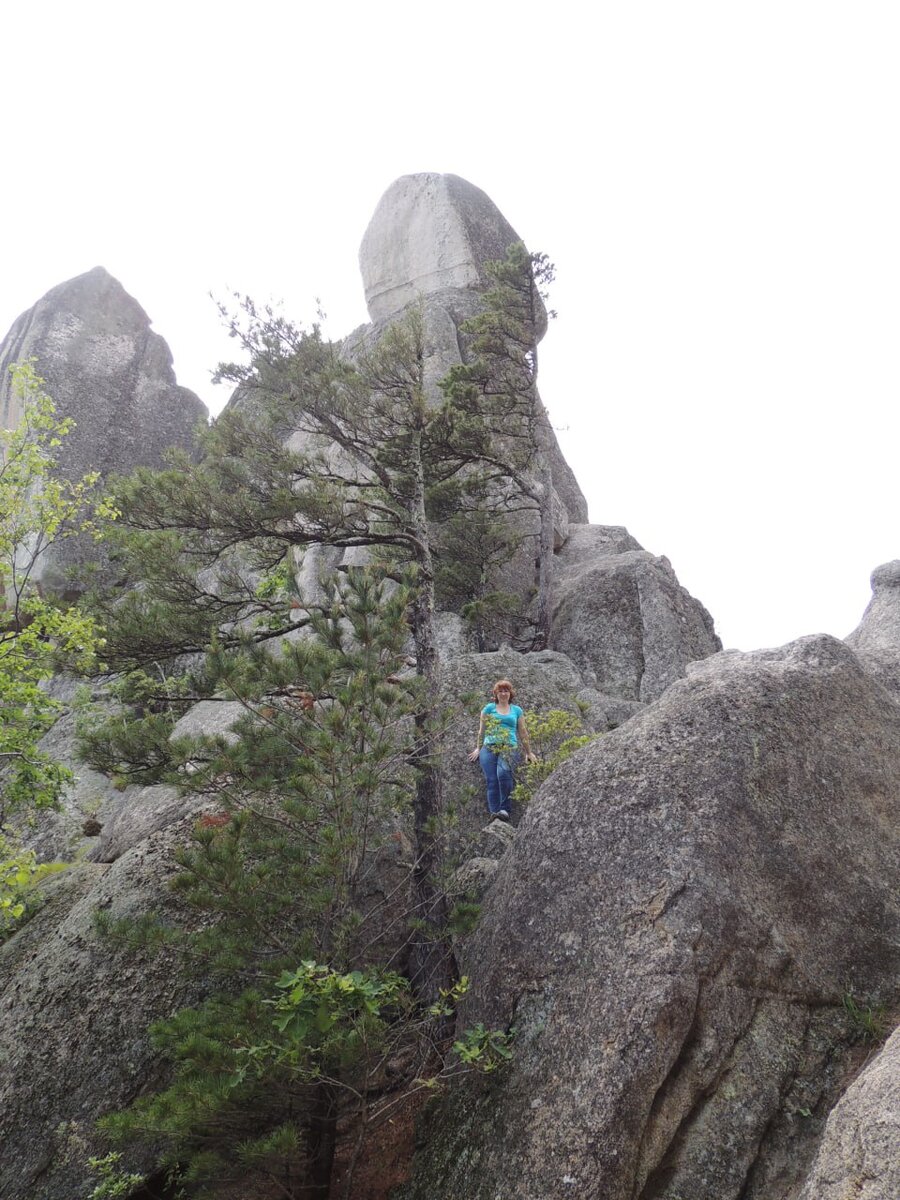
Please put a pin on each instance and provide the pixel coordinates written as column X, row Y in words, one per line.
column 503, row 683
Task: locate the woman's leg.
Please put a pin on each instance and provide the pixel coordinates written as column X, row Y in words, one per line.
column 489, row 764
column 506, row 777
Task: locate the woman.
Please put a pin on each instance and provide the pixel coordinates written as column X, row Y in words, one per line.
column 501, row 730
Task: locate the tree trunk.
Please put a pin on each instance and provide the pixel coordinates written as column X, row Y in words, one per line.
column 433, row 966
column 321, row 1140
column 542, row 439
column 544, row 620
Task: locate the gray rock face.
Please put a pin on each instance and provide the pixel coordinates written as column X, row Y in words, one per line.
column 876, row 639
column 859, row 1158
column 621, row 615
column 92, row 797
column 450, row 229
column 74, row 1015
column 672, row 932
column 119, row 818
column 106, row 369
column 474, row 876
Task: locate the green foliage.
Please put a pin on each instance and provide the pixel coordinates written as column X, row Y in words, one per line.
column 275, row 583
column 216, row 1117
column 328, row 1022
column 498, row 737
column 20, row 872
column 478, row 1048
column 301, row 800
column 463, row 917
column 503, row 352
column 449, row 998
column 37, row 636
column 127, row 735
column 555, row 736
column 500, row 379
column 235, row 1109
column 309, row 785
column 472, row 550
column 114, row 1180
column 485, row 1049
column 867, row 1020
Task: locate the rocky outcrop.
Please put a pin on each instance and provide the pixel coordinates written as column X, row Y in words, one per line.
column 430, row 233
column 137, row 812
column 685, row 906
column 428, row 241
column 474, row 876
column 75, row 1008
column 606, row 912
column 622, row 616
column 859, row 1158
column 98, row 818
column 106, row 369
column 89, row 799
column 876, row 640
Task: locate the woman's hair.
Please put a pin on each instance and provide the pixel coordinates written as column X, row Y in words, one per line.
column 503, row 683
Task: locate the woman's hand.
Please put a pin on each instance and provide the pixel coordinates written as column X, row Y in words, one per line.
column 525, row 741
column 473, row 754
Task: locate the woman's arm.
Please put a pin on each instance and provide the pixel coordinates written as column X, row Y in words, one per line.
column 524, row 741
column 474, row 753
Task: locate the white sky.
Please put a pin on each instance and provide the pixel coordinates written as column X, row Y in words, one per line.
column 718, row 184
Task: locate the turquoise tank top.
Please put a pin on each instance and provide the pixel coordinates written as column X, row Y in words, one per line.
column 507, row 735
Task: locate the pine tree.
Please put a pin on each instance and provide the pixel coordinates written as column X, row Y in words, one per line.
column 503, row 377
column 316, row 451
column 473, row 547
column 298, row 801
column 319, row 452
column 304, row 959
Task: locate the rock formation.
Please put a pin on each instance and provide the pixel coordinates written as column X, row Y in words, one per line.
column 876, row 639
column 622, row 616
column 672, row 930
column 620, row 613
column 74, row 1014
column 104, row 367
column 449, row 228
column 686, row 905
column 428, row 243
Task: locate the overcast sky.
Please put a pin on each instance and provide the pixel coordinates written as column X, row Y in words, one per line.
column 718, row 184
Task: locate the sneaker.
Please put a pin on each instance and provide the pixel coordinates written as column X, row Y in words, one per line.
column 502, row 815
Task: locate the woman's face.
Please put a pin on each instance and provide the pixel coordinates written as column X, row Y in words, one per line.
column 503, row 694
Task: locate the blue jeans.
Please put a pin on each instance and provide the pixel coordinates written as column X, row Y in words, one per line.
column 499, row 774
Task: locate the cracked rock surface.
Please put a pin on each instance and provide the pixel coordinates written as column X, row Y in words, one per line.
column 672, row 933
column 622, row 616
column 74, row 1014
column 859, row 1158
